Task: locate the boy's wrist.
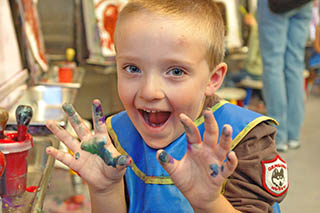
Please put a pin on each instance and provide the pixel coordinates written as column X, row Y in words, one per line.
column 111, row 189
column 113, row 194
column 220, row 204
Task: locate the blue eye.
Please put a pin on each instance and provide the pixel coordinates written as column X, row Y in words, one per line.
column 176, row 72
column 132, row 69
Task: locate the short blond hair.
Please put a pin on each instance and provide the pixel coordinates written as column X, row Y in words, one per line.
column 205, row 12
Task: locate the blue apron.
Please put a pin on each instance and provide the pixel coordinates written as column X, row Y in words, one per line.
column 149, row 186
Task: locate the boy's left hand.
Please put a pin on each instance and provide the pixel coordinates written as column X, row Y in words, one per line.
column 200, row 174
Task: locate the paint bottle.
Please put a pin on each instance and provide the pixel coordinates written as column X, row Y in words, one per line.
column 14, row 149
column 67, row 68
column 14, row 178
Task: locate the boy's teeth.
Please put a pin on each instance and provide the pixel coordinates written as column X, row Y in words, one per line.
column 151, row 111
column 153, row 125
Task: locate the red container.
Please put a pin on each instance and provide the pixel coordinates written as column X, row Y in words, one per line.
column 65, row 74
column 13, row 180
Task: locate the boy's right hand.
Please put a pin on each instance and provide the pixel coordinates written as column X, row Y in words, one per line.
column 95, row 159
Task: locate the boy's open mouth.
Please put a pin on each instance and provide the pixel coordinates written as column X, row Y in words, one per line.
column 155, row 118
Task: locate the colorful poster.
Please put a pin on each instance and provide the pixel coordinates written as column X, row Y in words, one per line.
column 33, row 32
column 106, row 12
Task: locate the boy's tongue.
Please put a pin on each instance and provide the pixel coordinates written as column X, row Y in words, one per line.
column 158, row 117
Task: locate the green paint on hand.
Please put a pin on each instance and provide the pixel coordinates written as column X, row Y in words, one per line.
column 97, row 147
column 68, row 108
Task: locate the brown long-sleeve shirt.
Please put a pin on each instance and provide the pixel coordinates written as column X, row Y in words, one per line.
column 245, row 188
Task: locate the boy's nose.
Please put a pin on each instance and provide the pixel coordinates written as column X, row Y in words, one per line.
column 151, row 89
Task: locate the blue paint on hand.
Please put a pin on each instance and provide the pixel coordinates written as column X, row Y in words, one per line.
column 215, row 170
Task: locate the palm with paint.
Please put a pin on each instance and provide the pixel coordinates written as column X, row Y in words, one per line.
column 200, row 174
column 95, row 159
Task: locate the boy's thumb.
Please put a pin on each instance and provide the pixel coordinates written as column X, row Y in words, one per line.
column 166, row 160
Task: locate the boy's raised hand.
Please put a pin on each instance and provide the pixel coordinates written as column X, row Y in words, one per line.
column 95, row 159
column 200, row 174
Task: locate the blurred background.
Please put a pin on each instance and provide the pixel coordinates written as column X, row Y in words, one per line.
column 59, row 51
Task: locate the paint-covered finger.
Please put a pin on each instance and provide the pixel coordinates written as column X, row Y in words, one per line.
column 65, row 157
column 122, row 161
column 97, row 146
column 230, row 164
column 63, row 135
column 99, row 119
column 76, row 121
column 225, row 143
column 211, row 132
column 167, row 161
column 192, row 132
column 226, row 137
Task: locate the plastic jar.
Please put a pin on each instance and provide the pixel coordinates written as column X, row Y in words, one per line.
column 14, row 178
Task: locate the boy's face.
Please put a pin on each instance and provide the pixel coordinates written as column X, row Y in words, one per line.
column 162, row 72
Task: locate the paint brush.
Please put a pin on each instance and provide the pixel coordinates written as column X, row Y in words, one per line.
column 4, row 116
column 23, row 117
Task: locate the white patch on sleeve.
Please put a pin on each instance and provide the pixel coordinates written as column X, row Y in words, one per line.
column 275, row 176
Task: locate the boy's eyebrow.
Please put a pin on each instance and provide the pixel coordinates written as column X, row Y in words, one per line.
column 179, row 61
column 169, row 60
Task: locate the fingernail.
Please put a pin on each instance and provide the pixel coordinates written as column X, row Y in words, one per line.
column 122, row 160
column 68, row 108
column 225, row 131
column 164, row 157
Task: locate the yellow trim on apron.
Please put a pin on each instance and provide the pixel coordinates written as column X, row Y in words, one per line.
column 214, row 108
column 250, row 126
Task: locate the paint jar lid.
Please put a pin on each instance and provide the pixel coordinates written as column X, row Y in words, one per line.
column 9, row 145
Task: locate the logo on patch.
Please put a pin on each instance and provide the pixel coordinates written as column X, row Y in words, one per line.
column 275, row 176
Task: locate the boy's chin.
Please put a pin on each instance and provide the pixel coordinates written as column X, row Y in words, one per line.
column 158, row 143
column 155, row 144
column 162, row 139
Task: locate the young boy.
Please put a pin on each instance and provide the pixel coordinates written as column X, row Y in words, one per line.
column 164, row 152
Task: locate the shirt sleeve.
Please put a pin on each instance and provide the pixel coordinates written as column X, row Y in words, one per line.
column 245, row 188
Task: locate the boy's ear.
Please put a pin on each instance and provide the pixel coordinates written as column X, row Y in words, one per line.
column 216, row 79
